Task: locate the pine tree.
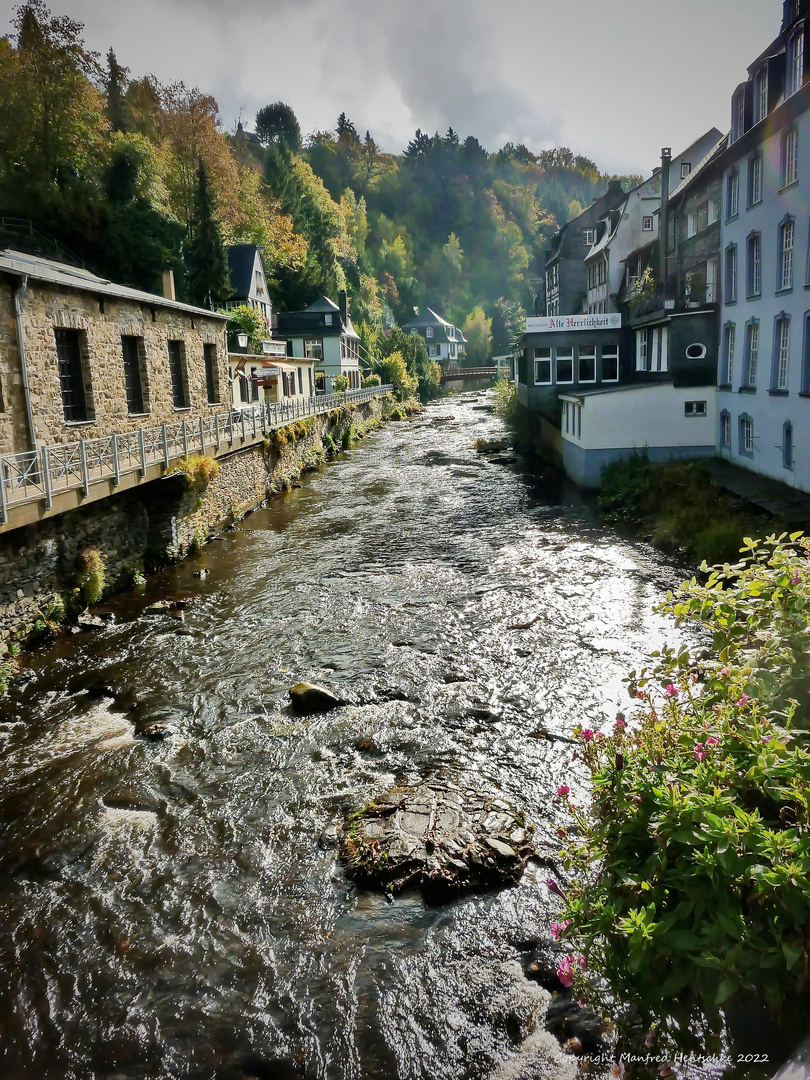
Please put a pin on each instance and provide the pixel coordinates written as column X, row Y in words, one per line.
column 208, row 278
column 345, row 126
column 117, row 112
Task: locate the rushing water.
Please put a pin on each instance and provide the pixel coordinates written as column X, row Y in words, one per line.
column 172, row 910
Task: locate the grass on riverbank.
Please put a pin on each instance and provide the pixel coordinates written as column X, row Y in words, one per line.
column 678, row 507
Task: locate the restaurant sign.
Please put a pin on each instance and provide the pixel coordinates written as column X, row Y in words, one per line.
column 553, row 324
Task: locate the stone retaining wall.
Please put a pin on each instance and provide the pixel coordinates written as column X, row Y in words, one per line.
column 39, row 564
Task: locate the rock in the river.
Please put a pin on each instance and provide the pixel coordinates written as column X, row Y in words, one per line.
column 435, row 837
column 154, row 732
column 307, row 698
column 90, row 622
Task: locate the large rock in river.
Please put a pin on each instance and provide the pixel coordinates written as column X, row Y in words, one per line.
column 307, row 698
column 435, row 837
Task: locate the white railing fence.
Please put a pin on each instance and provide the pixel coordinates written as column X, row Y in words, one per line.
column 40, row 474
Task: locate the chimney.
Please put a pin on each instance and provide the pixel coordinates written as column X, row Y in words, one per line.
column 343, row 305
column 663, row 220
column 168, row 284
column 615, row 189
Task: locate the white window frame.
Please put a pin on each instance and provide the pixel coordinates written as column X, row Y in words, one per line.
column 782, row 354
column 610, row 352
column 729, row 336
column 731, row 274
column 790, row 157
column 761, row 94
column 570, row 357
column 588, row 237
column 590, row 351
column 755, row 264
column 725, row 429
column 746, row 435
column 787, row 239
column 732, row 195
column 686, row 168
column 751, row 353
column 647, row 223
column 755, row 179
column 428, row 331
column 738, row 114
column 695, row 408
column 794, row 76
column 544, row 359
column 642, row 351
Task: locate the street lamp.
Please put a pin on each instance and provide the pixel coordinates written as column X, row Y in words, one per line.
column 242, row 340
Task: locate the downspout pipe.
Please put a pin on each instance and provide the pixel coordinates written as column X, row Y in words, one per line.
column 663, row 220
column 19, row 293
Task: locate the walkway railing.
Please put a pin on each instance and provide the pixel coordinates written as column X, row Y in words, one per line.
column 41, row 474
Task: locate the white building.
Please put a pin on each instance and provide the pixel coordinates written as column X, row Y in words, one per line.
column 323, row 332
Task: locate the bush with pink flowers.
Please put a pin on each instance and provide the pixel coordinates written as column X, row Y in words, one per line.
column 691, row 867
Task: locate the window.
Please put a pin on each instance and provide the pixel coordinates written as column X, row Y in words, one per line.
column 610, row 363
column 751, row 353
column 712, row 292
column 694, row 408
column 592, row 276
column 702, row 216
column 738, row 114
column 254, row 384
column 589, row 237
column 70, row 347
column 586, row 355
column 760, row 95
column 727, row 365
column 641, row 351
column 746, row 435
column 755, row 180
column 327, row 319
column 434, row 350
column 795, row 62
column 428, row 331
column 787, row 232
column 542, row 367
column 177, row 371
column 211, row 373
column 686, row 168
column 787, row 445
column 753, row 284
column 725, row 429
column 647, row 223
column 132, row 350
column 782, row 353
column 313, row 348
column 565, row 365
column 301, row 380
column 731, row 274
column 790, row 157
column 732, row 196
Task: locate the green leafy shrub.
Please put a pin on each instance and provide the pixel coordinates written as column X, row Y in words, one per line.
column 340, row 384
column 692, row 865
column 372, row 380
column 92, row 571
column 505, row 400
column 248, row 320
column 198, row 469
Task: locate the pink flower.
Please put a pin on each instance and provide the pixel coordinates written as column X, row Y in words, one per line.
column 567, row 968
column 617, row 1070
column 559, row 928
column 672, row 691
column 586, row 734
column 619, row 719
column 765, row 738
column 600, row 736
column 575, row 756
column 743, row 699
column 563, row 790
column 554, row 887
column 797, row 577
column 711, row 741
column 700, row 753
column 723, row 673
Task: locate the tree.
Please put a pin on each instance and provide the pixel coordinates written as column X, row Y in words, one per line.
column 277, row 125
column 477, row 330
column 345, row 127
column 208, row 265
column 117, row 112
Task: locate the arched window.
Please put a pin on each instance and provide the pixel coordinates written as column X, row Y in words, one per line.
column 725, row 430
column 746, row 436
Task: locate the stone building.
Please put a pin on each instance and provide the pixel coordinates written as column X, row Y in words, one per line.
column 82, row 357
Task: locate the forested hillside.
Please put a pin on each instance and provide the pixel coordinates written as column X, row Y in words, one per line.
column 126, row 172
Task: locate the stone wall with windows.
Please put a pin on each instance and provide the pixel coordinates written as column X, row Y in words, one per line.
column 104, row 383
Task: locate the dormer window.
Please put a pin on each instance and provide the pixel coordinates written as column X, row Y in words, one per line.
column 738, row 115
column 795, row 61
column 327, row 319
column 761, row 94
column 686, row 168
column 589, row 237
column 647, row 223
column 428, row 331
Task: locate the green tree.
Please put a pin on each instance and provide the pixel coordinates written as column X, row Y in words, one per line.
column 115, row 82
column 208, row 279
column 277, row 125
column 477, row 330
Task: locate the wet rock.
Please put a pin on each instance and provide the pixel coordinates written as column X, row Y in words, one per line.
column 433, row 837
column 90, row 622
column 204, row 573
column 579, row 1027
column 127, row 801
column 184, row 632
column 106, row 616
column 330, row 836
column 182, row 604
column 307, row 698
column 160, row 607
column 154, row 732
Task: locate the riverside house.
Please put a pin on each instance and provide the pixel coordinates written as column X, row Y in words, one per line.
column 445, row 342
column 83, row 358
column 323, row 333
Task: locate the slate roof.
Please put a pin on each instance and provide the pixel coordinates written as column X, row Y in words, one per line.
column 241, row 260
column 434, row 320
column 312, row 320
column 20, row 263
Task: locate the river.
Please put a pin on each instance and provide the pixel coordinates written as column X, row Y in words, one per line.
column 171, row 909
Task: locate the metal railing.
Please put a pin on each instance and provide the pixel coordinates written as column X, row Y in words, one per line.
column 40, row 474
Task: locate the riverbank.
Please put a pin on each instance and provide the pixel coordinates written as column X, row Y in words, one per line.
column 50, row 571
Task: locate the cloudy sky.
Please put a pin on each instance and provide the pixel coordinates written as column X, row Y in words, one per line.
column 612, row 79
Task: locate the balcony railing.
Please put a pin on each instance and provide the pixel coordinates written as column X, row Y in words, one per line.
column 39, row 475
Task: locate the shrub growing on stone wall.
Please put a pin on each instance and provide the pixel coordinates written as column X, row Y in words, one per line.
column 198, row 469
column 92, row 575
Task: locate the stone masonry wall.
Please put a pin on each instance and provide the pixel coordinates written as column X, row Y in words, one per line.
column 103, row 321
column 39, row 563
